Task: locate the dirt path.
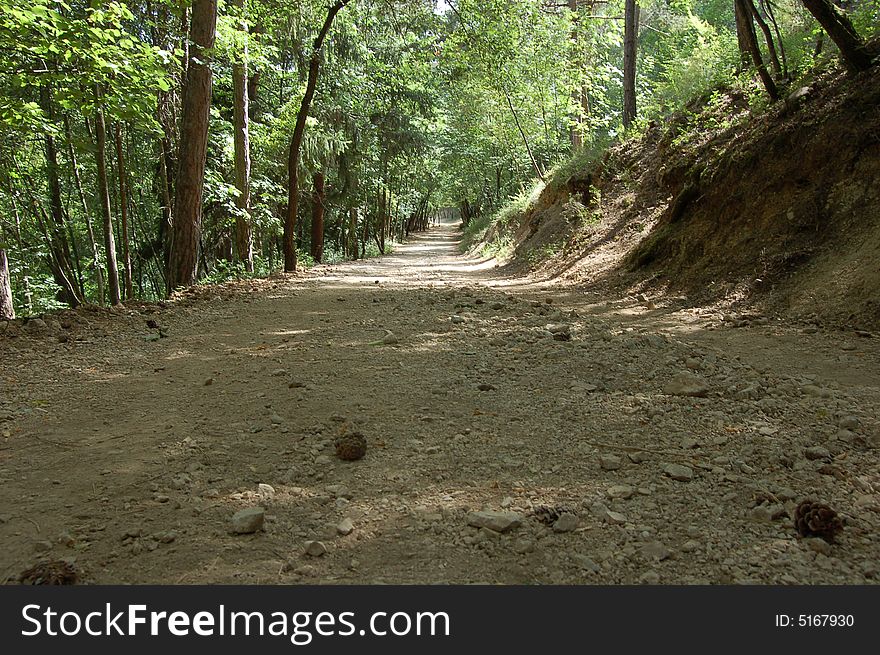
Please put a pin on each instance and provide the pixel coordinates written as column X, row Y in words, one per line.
column 130, row 452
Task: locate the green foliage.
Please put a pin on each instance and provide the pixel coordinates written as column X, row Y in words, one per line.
column 418, row 106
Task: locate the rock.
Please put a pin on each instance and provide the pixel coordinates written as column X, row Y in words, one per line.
column 784, row 493
column 315, row 549
column 761, row 514
column 623, row 491
column 523, row 546
column 43, row 546
column 322, row 460
column 818, row 545
column 656, row 550
column 690, row 546
column 849, row 423
column 390, row 339
column 649, row 577
column 802, row 92
column 266, row 491
column 495, row 521
column 817, row 452
column 340, row 491
column 248, row 521
column 679, row 472
column 181, row 481
column 566, row 523
column 305, row 570
column 585, row 563
column 65, row 539
column 686, row 384
column 496, row 305
column 693, row 363
column 865, row 501
column 457, row 320
column 345, row 527
column 609, row 462
column 485, row 386
column 276, row 420
column 615, row 518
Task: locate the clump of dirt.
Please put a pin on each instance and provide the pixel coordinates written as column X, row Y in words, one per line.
column 779, row 209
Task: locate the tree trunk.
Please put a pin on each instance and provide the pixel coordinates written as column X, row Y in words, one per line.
column 25, row 278
column 96, row 259
column 318, row 217
column 577, row 95
column 123, row 213
column 751, row 42
column 767, row 6
column 296, row 141
column 104, row 197
column 352, row 232
column 244, row 240
column 383, row 220
column 7, row 311
column 62, row 272
column 743, row 25
column 523, row 136
column 366, row 236
column 187, row 213
column 768, row 38
column 852, row 48
column 630, row 45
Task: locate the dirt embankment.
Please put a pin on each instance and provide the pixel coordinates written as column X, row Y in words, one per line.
column 778, row 209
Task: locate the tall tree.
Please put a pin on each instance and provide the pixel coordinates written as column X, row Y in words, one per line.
column 244, row 240
column 743, row 22
column 318, row 202
column 59, row 258
column 96, row 260
column 577, row 94
column 768, row 38
column 104, row 197
column 187, row 213
column 852, row 47
column 630, row 45
column 7, row 311
column 750, row 41
column 299, row 129
column 123, row 213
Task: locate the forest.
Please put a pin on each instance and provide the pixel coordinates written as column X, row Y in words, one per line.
column 153, row 145
column 470, row 292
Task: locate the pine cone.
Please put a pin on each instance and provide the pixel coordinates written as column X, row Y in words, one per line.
column 57, row 572
column 548, row 515
column 814, row 519
column 351, row 446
